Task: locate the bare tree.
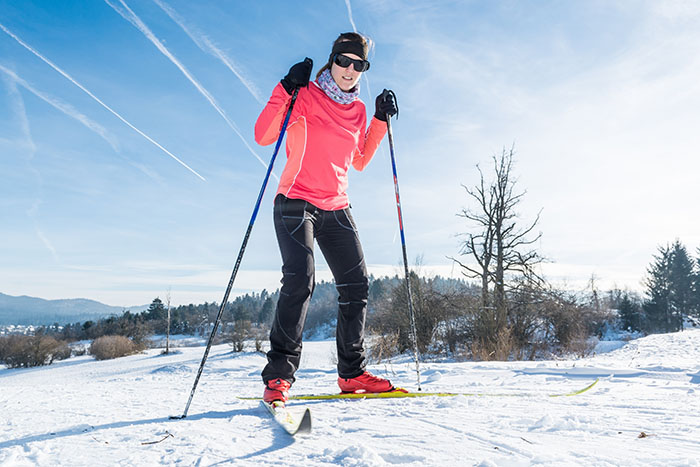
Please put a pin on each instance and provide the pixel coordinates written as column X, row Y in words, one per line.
column 499, row 247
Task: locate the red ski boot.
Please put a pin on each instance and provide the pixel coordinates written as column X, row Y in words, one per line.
column 276, row 390
column 366, row 382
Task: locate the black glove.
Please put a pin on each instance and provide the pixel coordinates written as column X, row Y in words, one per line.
column 385, row 104
column 298, row 76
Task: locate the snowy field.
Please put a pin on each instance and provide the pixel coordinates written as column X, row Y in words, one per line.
column 645, row 410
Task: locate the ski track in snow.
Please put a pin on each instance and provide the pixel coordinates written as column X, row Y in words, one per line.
column 84, row 412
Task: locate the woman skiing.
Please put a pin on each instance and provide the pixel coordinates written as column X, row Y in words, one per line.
column 327, row 132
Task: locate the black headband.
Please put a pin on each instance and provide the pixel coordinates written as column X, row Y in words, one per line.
column 350, row 47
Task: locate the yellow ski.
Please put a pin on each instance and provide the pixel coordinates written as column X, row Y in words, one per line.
column 400, row 394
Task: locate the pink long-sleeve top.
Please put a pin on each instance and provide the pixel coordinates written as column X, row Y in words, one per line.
column 323, row 139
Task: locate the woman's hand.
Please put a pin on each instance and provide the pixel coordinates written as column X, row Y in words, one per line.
column 298, row 76
column 385, row 105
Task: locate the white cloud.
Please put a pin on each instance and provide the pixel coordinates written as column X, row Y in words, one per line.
column 682, row 10
column 604, row 146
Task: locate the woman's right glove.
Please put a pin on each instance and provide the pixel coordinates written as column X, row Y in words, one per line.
column 298, row 76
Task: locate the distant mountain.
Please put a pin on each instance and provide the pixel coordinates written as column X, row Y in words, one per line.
column 37, row 311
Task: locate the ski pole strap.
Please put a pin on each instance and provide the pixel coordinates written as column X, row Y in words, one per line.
column 385, row 95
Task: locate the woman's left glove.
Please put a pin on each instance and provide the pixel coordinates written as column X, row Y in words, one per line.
column 384, row 105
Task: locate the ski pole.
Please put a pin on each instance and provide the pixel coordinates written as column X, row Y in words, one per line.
column 243, row 246
column 385, row 94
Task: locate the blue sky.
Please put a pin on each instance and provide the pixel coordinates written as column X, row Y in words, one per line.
column 599, row 98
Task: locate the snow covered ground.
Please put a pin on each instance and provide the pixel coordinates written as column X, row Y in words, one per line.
column 645, row 410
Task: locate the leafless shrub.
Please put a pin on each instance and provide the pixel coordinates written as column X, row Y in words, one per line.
column 20, row 351
column 108, row 347
column 431, row 307
column 500, row 349
column 241, row 332
column 383, row 346
column 261, row 334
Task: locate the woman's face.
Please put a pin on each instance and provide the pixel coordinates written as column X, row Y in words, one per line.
column 346, row 78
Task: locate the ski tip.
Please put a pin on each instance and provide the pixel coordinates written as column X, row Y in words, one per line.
column 292, row 421
column 305, row 425
column 576, row 393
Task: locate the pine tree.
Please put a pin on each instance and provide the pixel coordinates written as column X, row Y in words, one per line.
column 682, row 272
column 156, row 310
column 670, row 288
column 631, row 314
column 696, row 288
column 658, row 305
column 267, row 311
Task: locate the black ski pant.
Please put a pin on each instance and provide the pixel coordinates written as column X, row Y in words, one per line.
column 297, row 223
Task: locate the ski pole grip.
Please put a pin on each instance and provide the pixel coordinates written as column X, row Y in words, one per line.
column 386, row 93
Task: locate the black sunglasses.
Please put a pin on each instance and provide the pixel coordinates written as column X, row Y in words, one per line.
column 343, row 62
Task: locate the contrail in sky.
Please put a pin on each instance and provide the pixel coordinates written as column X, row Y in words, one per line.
column 347, row 4
column 206, row 45
column 354, row 28
column 68, row 77
column 369, row 90
column 65, row 108
column 70, row 111
column 21, row 111
column 130, row 16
